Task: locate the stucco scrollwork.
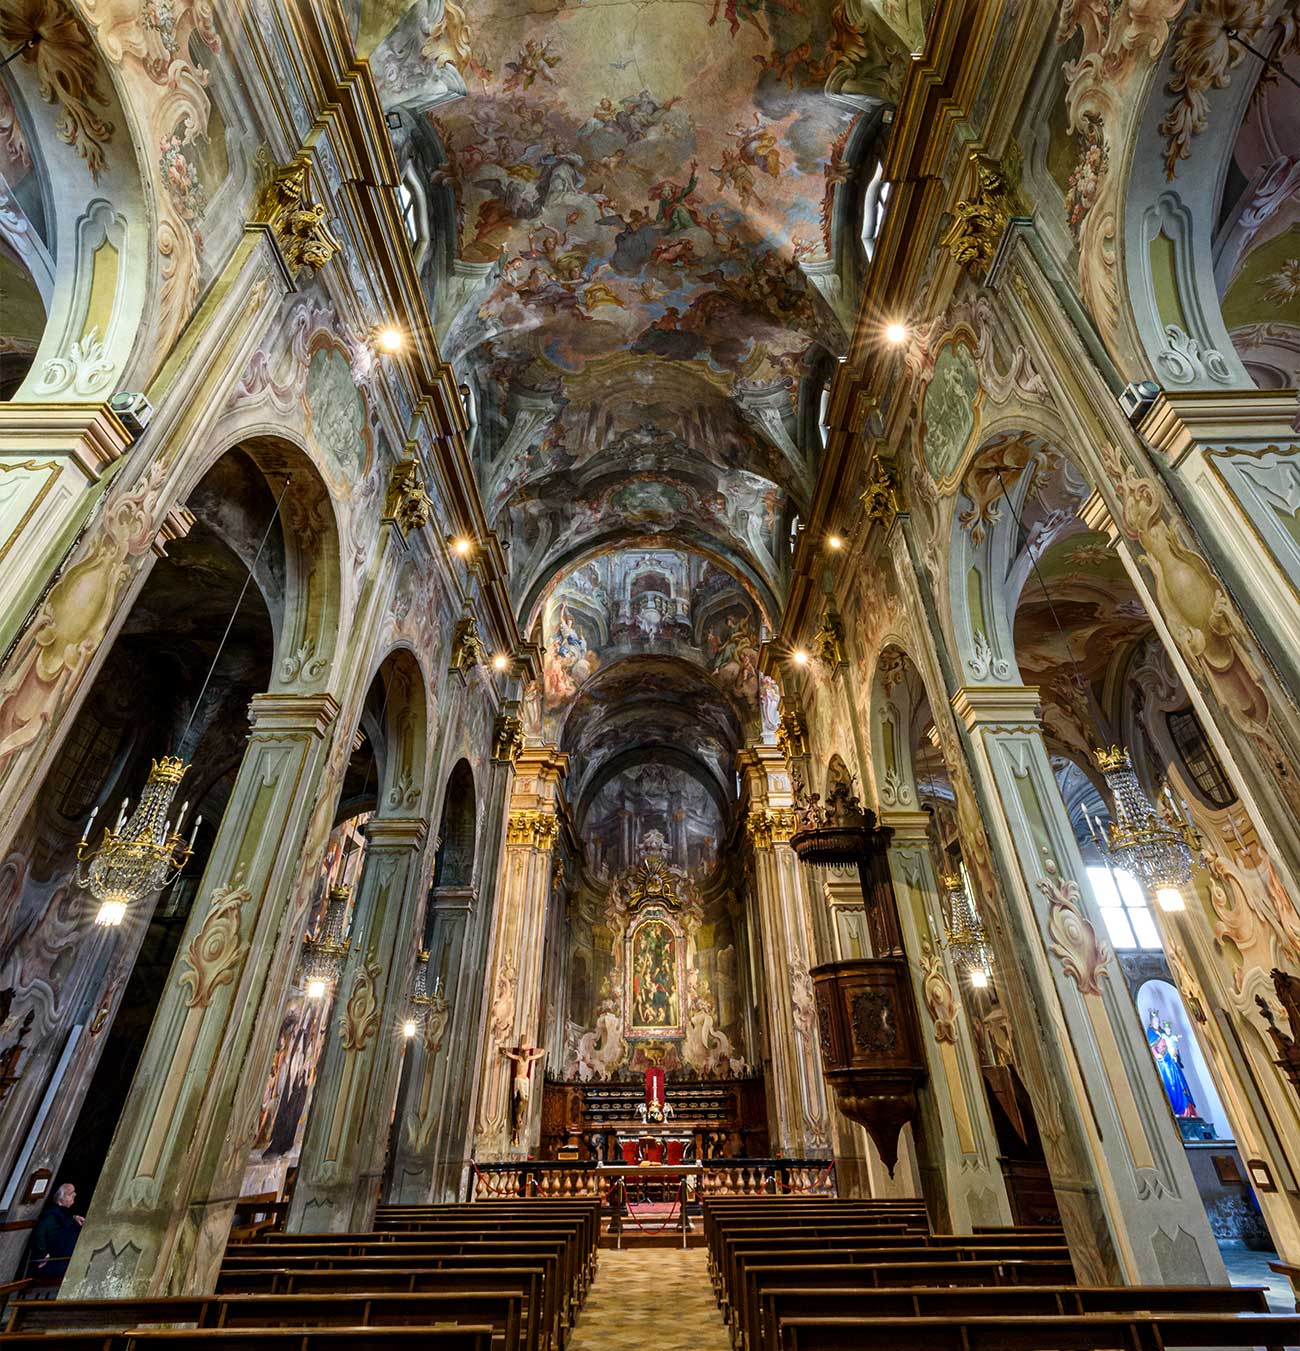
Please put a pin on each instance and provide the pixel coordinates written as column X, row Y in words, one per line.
column 361, row 1014
column 1084, row 956
column 936, row 991
column 215, row 953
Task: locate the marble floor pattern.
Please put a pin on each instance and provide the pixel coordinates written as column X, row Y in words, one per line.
column 651, row 1297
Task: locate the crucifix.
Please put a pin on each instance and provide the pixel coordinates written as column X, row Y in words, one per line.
column 523, row 1057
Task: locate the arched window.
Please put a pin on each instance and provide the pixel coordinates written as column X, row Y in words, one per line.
column 875, row 202
column 1124, row 910
column 1199, row 759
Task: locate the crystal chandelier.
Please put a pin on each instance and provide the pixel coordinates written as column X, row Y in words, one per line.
column 323, row 952
column 1158, row 853
column 143, row 852
column 965, row 939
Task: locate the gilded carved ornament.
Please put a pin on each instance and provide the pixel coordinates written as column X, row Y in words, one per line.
column 299, row 225
column 827, row 644
column 880, row 499
column 467, row 648
column 507, row 740
column 980, row 220
column 534, row 828
column 791, row 732
column 407, row 505
column 215, row 953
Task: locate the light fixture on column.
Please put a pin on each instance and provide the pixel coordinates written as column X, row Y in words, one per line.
column 323, row 952
column 143, row 852
column 1158, row 853
column 418, row 1008
column 965, row 937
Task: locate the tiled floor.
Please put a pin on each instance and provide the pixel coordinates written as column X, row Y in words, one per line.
column 651, row 1297
column 1251, row 1268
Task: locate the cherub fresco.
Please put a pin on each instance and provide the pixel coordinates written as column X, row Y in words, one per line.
column 534, row 62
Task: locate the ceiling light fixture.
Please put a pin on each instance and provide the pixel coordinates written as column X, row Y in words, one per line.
column 896, row 334
column 461, row 545
column 500, row 661
column 834, row 542
column 800, row 657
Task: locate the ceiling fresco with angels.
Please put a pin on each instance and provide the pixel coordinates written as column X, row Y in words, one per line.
column 638, row 192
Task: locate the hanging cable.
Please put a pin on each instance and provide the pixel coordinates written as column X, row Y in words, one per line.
column 1270, row 63
column 234, row 614
column 18, row 51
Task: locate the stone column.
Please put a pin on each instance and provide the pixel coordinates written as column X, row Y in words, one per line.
column 797, row 1109
column 346, row 1143
column 435, row 1137
column 162, row 1211
column 953, row 1104
column 515, row 969
column 1130, row 1208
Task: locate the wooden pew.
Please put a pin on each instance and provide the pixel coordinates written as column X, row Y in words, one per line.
column 833, row 1250
column 262, row 1339
column 544, row 1325
column 1076, row 1332
column 782, row 1303
column 560, row 1295
column 586, row 1212
column 576, row 1269
column 934, row 1268
column 502, row 1310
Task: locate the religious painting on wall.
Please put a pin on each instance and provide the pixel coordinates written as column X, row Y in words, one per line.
column 655, row 981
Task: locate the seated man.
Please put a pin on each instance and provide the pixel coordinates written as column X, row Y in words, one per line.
column 56, row 1234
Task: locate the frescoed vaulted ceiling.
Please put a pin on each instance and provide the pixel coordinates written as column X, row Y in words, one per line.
column 640, row 198
column 640, row 292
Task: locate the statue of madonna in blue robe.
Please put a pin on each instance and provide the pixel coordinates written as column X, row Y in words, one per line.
column 1171, row 1072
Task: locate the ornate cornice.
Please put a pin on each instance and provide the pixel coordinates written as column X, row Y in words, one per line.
column 534, row 829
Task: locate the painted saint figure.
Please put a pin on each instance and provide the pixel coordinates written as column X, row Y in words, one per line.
column 1164, row 1047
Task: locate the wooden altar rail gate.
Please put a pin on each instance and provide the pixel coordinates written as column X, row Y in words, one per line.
column 502, row 1277
column 808, row 1274
column 562, row 1180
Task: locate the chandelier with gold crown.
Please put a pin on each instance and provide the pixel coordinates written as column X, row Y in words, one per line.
column 143, row 852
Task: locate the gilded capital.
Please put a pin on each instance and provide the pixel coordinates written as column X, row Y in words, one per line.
column 533, row 828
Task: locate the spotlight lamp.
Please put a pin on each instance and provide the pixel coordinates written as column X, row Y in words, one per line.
column 895, row 334
column 834, row 542
column 799, row 657
column 390, row 339
column 462, row 546
column 500, row 661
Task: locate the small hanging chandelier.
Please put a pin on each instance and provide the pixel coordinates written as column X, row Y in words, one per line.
column 143, row 852
column 1158, row 853
column 965, row 937
column 323, row 952
column 421, row 999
